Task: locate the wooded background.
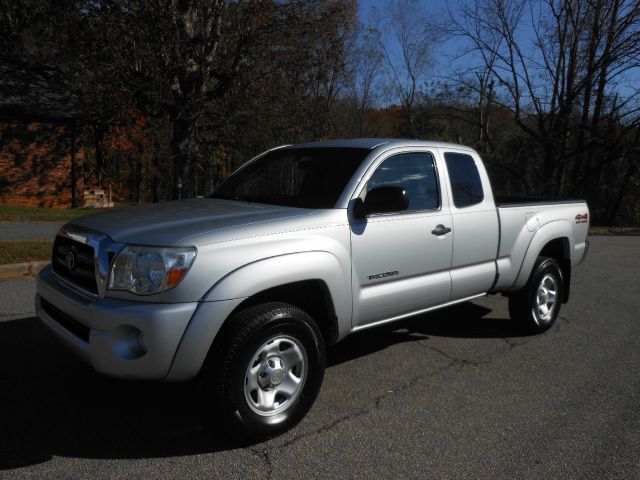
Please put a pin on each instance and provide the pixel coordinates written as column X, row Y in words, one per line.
column 185, row 91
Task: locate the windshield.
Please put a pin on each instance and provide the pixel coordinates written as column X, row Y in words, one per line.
column 303, row 177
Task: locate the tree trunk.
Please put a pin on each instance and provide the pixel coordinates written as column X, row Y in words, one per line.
column 184, row 147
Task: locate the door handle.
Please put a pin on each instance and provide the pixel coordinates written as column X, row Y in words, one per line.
column 440, row 230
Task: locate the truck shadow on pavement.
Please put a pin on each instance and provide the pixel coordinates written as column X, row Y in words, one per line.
column 51, row 404
column 465, row 320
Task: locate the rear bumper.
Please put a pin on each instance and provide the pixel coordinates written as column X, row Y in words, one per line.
column 126, row 339
column 586, row 250
column 581, row 251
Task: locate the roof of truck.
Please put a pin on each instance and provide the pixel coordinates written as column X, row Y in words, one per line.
column 371, row 143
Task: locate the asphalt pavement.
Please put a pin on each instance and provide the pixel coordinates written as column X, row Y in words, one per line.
column 16, row 301
column 29, row 231
column 454, row 394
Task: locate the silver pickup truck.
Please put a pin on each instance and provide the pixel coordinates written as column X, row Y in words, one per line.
column 300, row 247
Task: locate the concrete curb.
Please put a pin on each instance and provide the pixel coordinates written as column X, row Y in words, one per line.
column 17, row 271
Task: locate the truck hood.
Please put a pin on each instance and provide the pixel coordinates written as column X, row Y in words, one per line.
column 184, row 222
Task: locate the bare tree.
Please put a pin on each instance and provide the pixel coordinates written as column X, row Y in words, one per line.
column 407, row 39
column 192, row 40
column 329, row 55
column 366, row 70
column 559, row 67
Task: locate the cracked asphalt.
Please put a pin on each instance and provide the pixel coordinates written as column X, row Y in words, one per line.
column 455, row 394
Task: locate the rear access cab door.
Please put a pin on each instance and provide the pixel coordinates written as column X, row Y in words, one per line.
column 476, row 229
column 401, row 260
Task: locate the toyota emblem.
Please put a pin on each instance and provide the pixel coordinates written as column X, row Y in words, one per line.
column 71, row 260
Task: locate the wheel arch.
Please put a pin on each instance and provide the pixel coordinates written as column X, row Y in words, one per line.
column 553, row 240
column 312, row 296
column 559, row 249
column 293, row 278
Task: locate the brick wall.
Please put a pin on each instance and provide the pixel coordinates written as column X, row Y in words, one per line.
column 35, row 165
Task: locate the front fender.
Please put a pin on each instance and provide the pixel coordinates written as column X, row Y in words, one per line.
column 546, row 233
column 271, row 272
column 229, row 292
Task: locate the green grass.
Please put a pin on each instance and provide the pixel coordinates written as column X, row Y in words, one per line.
column 16, row 213
column 612, row 230
column 18, row 251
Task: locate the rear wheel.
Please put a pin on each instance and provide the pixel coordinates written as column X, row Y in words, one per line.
column 537, row 305
column 267, row 373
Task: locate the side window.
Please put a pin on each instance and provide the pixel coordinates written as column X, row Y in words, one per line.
column 416, row 173
column 466, row 185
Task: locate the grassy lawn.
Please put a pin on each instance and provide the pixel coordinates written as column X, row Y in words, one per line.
column 612, row 230
column 24, row 251
column 15, row 213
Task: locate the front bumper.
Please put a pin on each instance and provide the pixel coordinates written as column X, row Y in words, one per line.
column 122, row 338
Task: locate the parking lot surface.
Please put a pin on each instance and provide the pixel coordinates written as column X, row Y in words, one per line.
column 454, row 394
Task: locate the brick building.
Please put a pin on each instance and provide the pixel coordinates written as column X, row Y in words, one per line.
column 40, row 156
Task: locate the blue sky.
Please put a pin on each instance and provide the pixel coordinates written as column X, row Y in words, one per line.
column 433, row 8
column 380, row 3
column 448, row 60
column 438, row 10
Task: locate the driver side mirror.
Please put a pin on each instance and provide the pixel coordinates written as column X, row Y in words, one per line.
column 384, row 199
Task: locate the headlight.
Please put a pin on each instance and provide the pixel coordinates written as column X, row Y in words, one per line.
column 147, row 270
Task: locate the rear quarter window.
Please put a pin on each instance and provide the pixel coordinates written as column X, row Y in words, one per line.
column 464, row 177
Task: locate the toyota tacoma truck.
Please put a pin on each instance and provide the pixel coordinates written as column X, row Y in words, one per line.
column 305, row 244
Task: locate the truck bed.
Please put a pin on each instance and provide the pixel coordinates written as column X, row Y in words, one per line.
column 523, row 221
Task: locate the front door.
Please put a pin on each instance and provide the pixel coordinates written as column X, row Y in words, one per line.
column 401, row 261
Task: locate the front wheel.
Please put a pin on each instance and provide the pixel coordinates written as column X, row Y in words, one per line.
column 267, row 373
column 537, row 305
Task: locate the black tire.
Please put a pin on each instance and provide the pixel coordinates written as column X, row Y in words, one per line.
column 225, row 374
column 523, row 306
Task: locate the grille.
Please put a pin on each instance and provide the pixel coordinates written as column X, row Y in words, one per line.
column 65, row 320
column 82, row 272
